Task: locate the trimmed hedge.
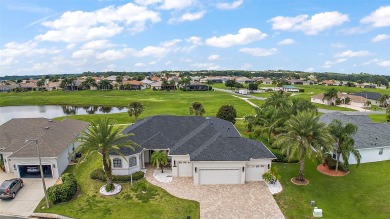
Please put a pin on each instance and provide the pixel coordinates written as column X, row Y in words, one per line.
column 63, row 192
column 98, row 174
column 332, row 164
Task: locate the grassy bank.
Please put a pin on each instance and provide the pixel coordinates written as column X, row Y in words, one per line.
column 157, row 203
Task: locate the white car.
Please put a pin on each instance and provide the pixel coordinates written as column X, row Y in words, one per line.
column 33, row 169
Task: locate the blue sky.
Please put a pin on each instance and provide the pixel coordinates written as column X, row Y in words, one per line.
column 73, row 36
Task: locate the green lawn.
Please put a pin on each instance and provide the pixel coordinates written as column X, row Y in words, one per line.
column 363, row 193
column 127, row 204
column 155, row 102
column 378, row 117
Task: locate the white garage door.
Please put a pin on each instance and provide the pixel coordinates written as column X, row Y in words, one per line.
column 219, row 176
column 185, row 168
column 254, row 172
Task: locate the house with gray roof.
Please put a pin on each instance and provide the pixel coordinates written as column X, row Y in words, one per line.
column 372, row 139
column 56, row 141
column 208, row 149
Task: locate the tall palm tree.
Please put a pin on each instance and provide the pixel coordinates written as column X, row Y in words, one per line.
column 103, row 137
column 159, row 158
column 135, row 109
column 197, row 109
column 345, row 143
column 250, row 121
column 330, row 95
column 305, row 137
column 269, row 120
column 278, row 100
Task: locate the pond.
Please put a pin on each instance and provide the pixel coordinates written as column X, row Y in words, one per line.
column 49, row 111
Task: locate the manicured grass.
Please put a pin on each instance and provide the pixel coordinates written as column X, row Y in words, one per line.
column 323, row 106
column 155, row 102
column 127, row 204
column 363, row 193
column 378, row 117
column 264, row 94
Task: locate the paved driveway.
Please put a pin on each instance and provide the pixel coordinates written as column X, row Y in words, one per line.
column 26, row 199
column 250, row 200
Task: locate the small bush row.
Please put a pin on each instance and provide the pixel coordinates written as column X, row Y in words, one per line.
column 332, row 164
column 63, row 192
column 98, row 174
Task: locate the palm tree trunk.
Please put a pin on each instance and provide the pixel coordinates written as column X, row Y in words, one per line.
column 162, row 169
column 107, row 169
column 337, row 161
column 301, row 176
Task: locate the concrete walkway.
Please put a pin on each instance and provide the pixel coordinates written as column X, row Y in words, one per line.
column 250, row 200
column 246, row 100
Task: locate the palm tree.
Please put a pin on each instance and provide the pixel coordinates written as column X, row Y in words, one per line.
column 197, row 109
column 159, row 158
column 345, row 143
column 103, row 137
column 135, row 108
column 270, row 121
column 305, row 137
column 250, row 121
column 278, row 100
column 330, row 95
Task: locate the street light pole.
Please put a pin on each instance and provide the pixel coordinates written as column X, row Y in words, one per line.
column 41, row 170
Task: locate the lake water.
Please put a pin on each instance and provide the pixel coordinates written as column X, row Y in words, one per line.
column 9, row 112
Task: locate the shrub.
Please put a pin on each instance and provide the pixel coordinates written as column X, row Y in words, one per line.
column 98, row 174
column 269, row 177
column 301, row 90
column 278, row 154
column 63, row 192
column 332, row 164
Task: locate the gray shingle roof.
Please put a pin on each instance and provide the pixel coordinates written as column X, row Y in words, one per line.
column 204, row 139
column 369, row 95
column 369, row 134
column 55, row 136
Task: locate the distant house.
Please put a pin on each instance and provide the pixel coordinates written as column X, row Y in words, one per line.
column 147, row 82
column 329, row 83
column 372, row 139
column 209, row 150
column 244, row 80
column 30, row 86
column 266, row 81
column 159, row 86
column 175, row 79
column 373, row 97
column 290, row 88
column 56, row 140
column 8, row 88
column 354, row 100
column 53, row 86
column 212, row 79
column 296, row 82
column 132, row 85
column 196, row 86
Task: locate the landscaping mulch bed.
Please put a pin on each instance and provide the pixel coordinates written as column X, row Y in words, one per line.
column 325, row 170
column 299, row 183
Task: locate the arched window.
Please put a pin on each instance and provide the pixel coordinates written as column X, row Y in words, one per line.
column 117, row 162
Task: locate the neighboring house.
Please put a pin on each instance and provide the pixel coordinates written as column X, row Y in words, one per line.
column 30, row 86
column 208, row 149
column 133, row 85
column 296, row 82
column 8, row 88
column 56, row 140
column 290, row 88
column 354, row 100
column 372, row 139
column 330, row 83
column 373, row 97
column 244, row 80
column 212, row 79
column 196, row 86
column 53, row 86
column 147, row 82
column 266, row 81
column 175, row 79
column 158, row 86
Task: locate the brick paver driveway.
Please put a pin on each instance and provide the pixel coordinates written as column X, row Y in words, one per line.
column 250, row 200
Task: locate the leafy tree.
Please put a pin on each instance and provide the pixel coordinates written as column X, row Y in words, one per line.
column 119, row 79
column 347, row 100
column 228, row 113
column 300, row 104
column 102, row 136
column 330, row 95
column 250, row 121
column 342, row 135
column 253, row 86
column 278, row 100
column 89, row 82
column 159, row 159
column 197, row 109
column 105, row 85
column 135, row 109
column 40, row 83
column 304, row 138
column 238, row 85
column 230, row 83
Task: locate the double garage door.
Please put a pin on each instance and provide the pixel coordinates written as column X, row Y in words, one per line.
column 220, row 176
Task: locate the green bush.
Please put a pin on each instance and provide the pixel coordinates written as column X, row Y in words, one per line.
column 98, row 174
column 332, row 164
column 269, row 177
column 278, row 154
column 63, row 192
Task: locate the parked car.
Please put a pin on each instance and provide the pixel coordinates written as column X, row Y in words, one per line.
column 9, row 188
column 33, row 169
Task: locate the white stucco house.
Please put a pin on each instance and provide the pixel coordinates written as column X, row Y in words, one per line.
column 56, row 141
column 356, row 101
column 210, row 150
column 372, row 139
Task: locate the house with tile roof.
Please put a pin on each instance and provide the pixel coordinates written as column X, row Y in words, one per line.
column 354, row 100
column 56, row 141
column 372, row 139
column 208, row 149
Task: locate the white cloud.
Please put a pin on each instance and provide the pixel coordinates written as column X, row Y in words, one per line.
column 188, row 17
column 244, row 36
column 186, row 60
column 286, row 42
column 29, row 48
column 337, row 45
column 154, row 51
column 329, row 64
column 176, row 4
column 168, row 62
column 311, row 26
column 378, row 18
column 152, row 62
column 83, row 53
column 112, row 54
column 207, row 66
column 311, row 69
column 229, row 6
column 380, row 37
column 350, row 53
column 97, row 44
column 213, row 57
column 147, row 2
column 139, row 64
column 70, row 46
column 195, row 40
column 246, row 66
column 7, row 61
column 79, row 26
column 110, row 67
column 259, row 51
column 170, row 43
column 384, row 63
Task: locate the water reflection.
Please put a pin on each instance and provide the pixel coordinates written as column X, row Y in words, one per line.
column 9, row 112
